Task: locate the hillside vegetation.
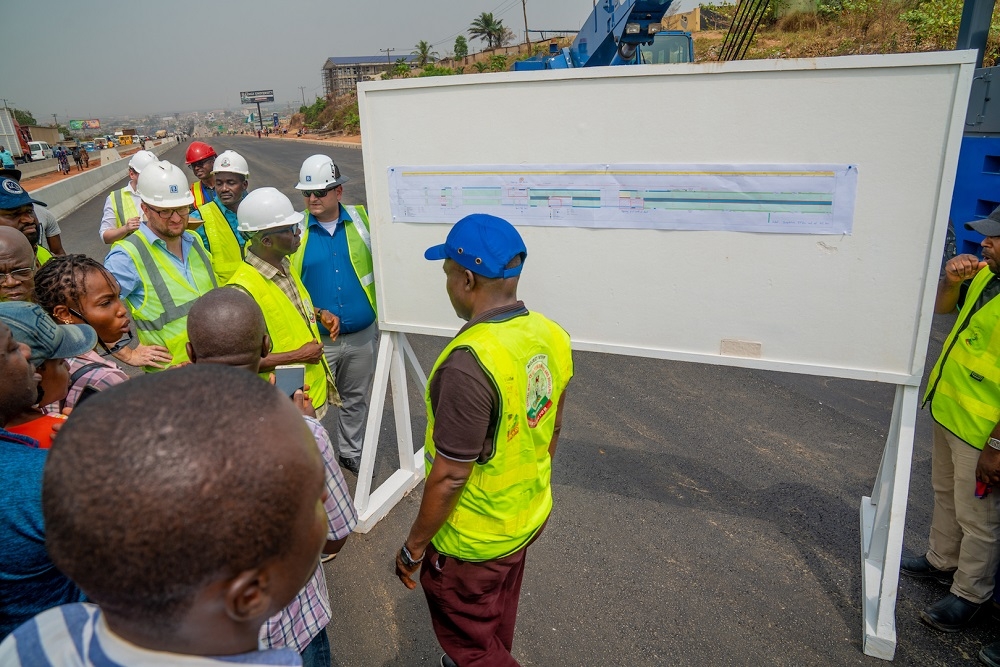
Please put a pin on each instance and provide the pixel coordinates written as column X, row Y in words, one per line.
column 849, row 27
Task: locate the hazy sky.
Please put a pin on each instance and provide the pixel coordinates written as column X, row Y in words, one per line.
column 100, row 57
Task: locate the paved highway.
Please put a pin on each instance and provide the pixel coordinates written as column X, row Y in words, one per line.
column 703, row 515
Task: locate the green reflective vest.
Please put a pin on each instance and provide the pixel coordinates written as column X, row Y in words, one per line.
column 123, row 206
column 964, row 385
column 359, row 247
column 42, row 255
column 227, row 256
column 507, row 499
column 287, row 328
column 161, row 318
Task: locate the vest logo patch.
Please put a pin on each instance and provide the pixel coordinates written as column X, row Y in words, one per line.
column 976, row 376
column 539, row 388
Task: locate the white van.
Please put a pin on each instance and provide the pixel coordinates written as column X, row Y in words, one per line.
column 39, row 150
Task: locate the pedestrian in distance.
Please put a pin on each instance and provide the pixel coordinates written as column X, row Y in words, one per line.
column 270, row 222
column 494, row 412
column 85, row 157
column 76, row 158
column 7, row 159
column 964, row 398
column 166, row 591
column 227, row 327
column 29, row 582
column 334, row 261
column 50, row 345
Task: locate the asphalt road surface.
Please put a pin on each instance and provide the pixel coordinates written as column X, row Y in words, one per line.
column 703, row 515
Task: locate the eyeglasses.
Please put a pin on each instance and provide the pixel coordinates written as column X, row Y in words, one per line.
column 319, row 193
column 203, row 163
column 280, row 230
column 18, row 275
column 168, row 213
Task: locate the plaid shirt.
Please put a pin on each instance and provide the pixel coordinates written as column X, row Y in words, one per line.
column 309, row 613
column 101, row 378
column 283, row 279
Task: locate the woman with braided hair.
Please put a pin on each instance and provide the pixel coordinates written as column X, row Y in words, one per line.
column 75, row 289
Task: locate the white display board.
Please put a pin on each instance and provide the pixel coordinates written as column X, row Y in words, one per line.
column 844, row 305
column 856, row 304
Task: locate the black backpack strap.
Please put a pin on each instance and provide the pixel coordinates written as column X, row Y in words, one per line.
column 81, row 371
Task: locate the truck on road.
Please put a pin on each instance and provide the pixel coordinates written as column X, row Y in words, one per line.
column 13, row 137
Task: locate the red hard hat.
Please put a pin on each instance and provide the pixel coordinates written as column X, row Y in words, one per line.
column 198, row 151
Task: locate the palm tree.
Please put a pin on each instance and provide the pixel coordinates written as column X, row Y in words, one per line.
column 487, row 29
column 423, row 53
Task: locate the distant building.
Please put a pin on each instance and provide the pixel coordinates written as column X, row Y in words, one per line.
column 342, row 73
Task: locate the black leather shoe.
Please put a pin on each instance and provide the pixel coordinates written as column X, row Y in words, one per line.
column 990, row 655
column 920, row 568
column 354, row 465
column 448, row 662
column 950, row 614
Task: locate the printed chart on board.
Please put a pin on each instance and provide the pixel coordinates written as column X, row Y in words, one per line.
column 785, row 199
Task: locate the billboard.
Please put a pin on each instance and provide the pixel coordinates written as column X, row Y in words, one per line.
column 253, row 96
column 92, row 124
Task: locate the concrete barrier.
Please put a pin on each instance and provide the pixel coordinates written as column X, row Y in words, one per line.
column 70, row 194
column 38, row 167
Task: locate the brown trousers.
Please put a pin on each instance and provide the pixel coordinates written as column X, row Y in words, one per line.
column 474, row 606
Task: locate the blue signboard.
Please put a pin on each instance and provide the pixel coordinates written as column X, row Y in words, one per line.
column 275, row 119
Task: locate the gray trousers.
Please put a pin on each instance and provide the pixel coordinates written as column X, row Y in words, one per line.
column 352, row 360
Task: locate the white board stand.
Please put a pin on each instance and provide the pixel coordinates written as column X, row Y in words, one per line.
column 394, row 353
column 883, row 516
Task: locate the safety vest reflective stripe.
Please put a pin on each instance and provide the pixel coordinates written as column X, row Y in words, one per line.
column 171, row 311
column 288, row 329
column 123, row 206
column 199, row 194
column 507, row 499
column 226, row 252
column 964, row 385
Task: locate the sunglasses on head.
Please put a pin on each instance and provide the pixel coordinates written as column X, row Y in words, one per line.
column 318, row 193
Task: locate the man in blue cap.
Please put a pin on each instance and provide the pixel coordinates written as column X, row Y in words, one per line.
column 494, row 409
column 17, row 210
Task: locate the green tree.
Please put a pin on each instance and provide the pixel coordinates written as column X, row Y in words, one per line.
column 488, row 29
column 24, row 117
column 400, row 70
column 481, row 66
column 498, row 62
column 461, row 47
column 423, row 53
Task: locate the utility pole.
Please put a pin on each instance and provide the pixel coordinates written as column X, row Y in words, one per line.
column 302, row 89
column 527, row 35
column 55, row 122
column 388, row 53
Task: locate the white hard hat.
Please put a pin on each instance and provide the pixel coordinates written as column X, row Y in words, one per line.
column 266, row 208
column 319, row 172
column 232, row 162
column 141, row 160
column 163, row 184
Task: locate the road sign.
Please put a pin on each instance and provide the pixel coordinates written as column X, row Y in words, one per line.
column 252, row 96
column 274, row 119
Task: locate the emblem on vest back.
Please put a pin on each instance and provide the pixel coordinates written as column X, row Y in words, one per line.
column 539, row 388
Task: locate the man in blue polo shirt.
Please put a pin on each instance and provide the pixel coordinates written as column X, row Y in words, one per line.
column 335, row 264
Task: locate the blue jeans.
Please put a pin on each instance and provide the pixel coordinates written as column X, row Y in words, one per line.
column 317, row 654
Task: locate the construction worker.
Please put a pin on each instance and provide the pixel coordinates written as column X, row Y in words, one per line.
column 162, row 268
column 335, row 264
column 121, row 208
column 219, row 228
column 17, row 210
column 270, row 221
column 201, row 158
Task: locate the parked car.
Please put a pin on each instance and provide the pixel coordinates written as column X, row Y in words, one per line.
column 89, row 145
column 39, row 150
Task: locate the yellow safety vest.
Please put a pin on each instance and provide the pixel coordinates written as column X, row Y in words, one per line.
column 226, row 252
column 123, row 206
column 964, row 385
column 507, row 499
column 42, row 255
column 287, row 328
column 161, row 318
column 359, row 247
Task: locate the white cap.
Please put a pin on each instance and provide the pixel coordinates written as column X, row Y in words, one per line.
column 141, row 160
column 266, row 208
column 318, row 172
column 163, row 184
column 232, row 162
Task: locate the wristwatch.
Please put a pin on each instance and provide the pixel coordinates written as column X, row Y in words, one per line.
column 407, row 557
column 993, row 443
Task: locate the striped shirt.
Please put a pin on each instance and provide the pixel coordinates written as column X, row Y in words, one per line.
column 77, row 635
column 309, row 613
column 100, row 377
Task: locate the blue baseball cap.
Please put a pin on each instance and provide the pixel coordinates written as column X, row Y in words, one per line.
column 32, row 326
column 12, row 195
column 483, row 244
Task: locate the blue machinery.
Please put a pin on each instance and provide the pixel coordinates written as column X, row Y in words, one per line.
column 622, row 32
